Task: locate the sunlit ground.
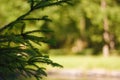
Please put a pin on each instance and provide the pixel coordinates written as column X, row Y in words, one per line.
column 88, row 67
column 88, row 62
column 84, row 68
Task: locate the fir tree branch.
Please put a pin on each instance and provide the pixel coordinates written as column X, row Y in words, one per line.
column 49, row 3
column 37, row 6
column 15, row 21
column 34, row 31
column 43, row 18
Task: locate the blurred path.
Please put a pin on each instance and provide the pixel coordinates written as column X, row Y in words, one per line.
column 74, row 74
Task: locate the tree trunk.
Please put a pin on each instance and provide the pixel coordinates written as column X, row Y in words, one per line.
column 106, row 35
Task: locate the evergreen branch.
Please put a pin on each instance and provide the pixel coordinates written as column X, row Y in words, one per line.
column 17, row 58
column 31, row 4
column 15, row 21
column 6, row 26
column 37, row 6
column 34, row 31
column 23, row 28
column 44, row 18
column 43, row 4
column 33, row 19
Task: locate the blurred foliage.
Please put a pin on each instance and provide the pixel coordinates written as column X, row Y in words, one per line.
column 80, row 26
column 76, row 28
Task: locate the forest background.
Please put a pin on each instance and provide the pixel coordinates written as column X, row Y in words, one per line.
column 88, row 27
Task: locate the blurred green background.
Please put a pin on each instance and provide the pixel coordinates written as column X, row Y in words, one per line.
column 85, row 28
